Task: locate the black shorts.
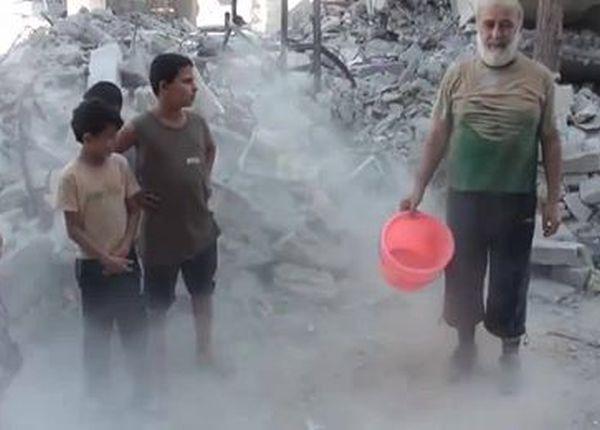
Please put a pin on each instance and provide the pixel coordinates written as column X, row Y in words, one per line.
column 198, row 275
column 494, row 230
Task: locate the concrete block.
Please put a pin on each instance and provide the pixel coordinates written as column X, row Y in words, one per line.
column 589, row 191
column 579, row 210
column 577, row 277
column 547, row 252
column 581, row 162
column 104, row 64
column 564, row 95
column 74, row 6
column 572, row 181
column 312, row 284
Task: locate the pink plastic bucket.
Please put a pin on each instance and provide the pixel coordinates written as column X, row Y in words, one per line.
column 414, row 250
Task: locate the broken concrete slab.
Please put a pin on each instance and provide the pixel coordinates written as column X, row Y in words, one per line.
column 578, row 209
column 104, row 64
column 572, row 181
column 21, row 287
column 589, row 191
column 577, row 277
column 547, row 252
column 312, row 284
column 74, row 6
column 464, row 9
column 581, row 162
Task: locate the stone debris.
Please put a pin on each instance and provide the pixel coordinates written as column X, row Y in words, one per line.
column 589, row 191
column 579, row 209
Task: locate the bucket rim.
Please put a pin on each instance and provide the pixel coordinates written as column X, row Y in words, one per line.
column 416, row 214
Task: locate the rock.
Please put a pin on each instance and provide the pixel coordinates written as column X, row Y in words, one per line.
column 547, row 252
column 312, row 284
column 206, row 102
column 464, row 10
column 581, row 162
column 589, row 191
column 104, row 64
column 572, row 181
column 577, row 277
column 12, row 197
column 74, row 6
column 579, row 210
column 245, row 233
column 133, row 72
column 21, row 287
column 564, row 95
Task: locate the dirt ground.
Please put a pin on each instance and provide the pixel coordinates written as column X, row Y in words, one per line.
column 375, row 360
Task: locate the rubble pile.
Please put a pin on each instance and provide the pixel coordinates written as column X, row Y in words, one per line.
column 43, row 78
column 277, row 195
column 398, row 54
column 572, row 259
column 269, row 197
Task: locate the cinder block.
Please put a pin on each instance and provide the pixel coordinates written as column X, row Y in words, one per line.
column 547, row 252
column 577, row 277
column 579, row 210
column 589, row 191
column 581, row 162
column 572, row 181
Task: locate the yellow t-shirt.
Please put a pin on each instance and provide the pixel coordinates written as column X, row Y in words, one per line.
column 98, row 193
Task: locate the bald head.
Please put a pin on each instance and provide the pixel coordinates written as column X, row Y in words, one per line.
column 512, row 5
column 499, row 24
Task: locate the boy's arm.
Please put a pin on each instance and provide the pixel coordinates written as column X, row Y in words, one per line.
column 77, row 234
column 210, row 154
column 125, row 138
column 133, row 221
column 132, row 192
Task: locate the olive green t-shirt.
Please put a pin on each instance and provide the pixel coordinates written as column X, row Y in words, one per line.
column 497, row 117
column 172, row 164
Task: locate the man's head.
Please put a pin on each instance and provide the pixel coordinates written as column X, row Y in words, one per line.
column 107, row 92
column 499, row 24
column 95, row 125
column 172, row 79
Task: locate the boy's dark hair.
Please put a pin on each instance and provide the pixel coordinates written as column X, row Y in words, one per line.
column 93, row 116
column 106, row 91
column 166, row 67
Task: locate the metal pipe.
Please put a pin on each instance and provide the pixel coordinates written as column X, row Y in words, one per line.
column 284, row 33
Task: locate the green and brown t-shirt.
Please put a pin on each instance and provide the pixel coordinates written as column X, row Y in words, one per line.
column 497, row 116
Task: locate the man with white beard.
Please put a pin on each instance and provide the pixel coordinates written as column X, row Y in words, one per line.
column 491, row 114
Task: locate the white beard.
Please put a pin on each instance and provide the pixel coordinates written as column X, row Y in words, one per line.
column 498, row 58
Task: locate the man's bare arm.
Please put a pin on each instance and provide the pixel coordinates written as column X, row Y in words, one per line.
column 126, row 138
column 211, row 154
column 552, row 159
column 434, row 151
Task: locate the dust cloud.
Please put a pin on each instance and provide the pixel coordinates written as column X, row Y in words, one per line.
column 350, row 355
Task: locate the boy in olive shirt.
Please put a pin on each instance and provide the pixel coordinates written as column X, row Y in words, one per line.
column 175, row 154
